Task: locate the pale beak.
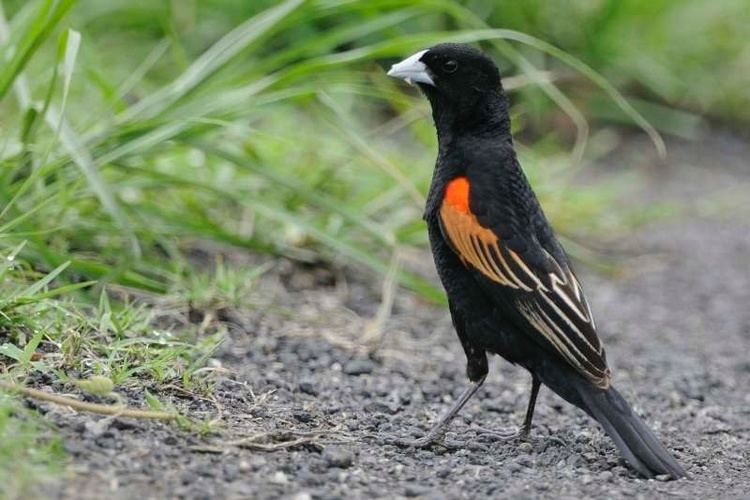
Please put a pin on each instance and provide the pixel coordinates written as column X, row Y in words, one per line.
column 412, row 70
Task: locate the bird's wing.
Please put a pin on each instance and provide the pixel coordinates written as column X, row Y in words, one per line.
column 543, row 291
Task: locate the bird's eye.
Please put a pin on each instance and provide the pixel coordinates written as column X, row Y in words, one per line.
column 450, row 66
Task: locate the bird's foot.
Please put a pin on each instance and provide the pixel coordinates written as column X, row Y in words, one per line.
column 429, row 440
column 517, row 434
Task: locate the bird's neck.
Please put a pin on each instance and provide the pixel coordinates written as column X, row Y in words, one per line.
column 485, row 118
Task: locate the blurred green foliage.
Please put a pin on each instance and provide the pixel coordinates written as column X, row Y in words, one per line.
column 29, row 454
column 687, row 54
column 270, row 125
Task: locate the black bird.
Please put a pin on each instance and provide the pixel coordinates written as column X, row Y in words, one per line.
column 511, row 288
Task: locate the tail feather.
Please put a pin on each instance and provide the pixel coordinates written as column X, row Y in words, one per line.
column 631, row 435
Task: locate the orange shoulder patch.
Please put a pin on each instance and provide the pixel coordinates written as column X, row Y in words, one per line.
column 457, row 194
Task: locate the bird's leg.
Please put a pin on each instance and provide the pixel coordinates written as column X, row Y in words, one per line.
column 526, row 428
column 438, row 431
column 523, row 432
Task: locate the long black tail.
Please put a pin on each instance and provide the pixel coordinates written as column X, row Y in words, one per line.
column 631, row 435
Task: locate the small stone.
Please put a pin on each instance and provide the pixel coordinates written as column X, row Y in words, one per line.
column 526, row 447
column 96, row 428
column 575, row 461
column 231, row 472
column 515, row 467
column 279, row 478
column 359, row 367
column 252, row 463
column 124, row 425
column 443, row 473
column 525, row 461
column 377, row 407
column 414, row 490
column 307, row 388
column 338, row 457
column 302, row 416
column 302, row 495
column 663, row 477
column 73, row 447
column 205, row 471
column 605, row 476
column 334, row 408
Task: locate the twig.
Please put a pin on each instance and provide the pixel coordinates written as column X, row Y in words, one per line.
column 374, row 334
column 100, row 409
column 213, row 401
column 252, row 445
column 264, row 441
column 728, row 430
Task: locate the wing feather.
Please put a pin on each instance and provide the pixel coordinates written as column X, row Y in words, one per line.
column 550, row 300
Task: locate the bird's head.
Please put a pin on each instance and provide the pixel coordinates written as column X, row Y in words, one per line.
column 462, row 83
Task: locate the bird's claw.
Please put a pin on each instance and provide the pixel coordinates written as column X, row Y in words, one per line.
column 433, row 440
column 510, row 435
column 427, row 441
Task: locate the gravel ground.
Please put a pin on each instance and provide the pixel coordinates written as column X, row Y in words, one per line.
column 676, row 323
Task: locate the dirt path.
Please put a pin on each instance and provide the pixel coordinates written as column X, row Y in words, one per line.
column 677, row 331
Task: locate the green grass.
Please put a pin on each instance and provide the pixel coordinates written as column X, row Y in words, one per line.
column 131, row 343
column 132, row 131
column 30, row 453
column 687, row 54
column 207, row 150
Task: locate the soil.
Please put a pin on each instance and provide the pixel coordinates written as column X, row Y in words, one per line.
column 309, row 371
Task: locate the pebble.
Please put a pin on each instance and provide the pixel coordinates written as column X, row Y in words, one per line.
column 231, row 472
column 526, row 447
column 377, row 407
column 303, row 416
column 307, row 388
column 414, row 490
column 525, row 461
column 590, row 456
column 359, row 367
column 205, row 470
column 279, row 478
column 338, row 457
column 96, row 428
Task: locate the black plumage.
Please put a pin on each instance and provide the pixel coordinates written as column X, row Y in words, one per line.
column 511, row 288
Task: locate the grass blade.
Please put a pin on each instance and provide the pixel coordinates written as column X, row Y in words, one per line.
column 48, row 16
column 85, row 162
column 229, row 46
column 34, row 288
